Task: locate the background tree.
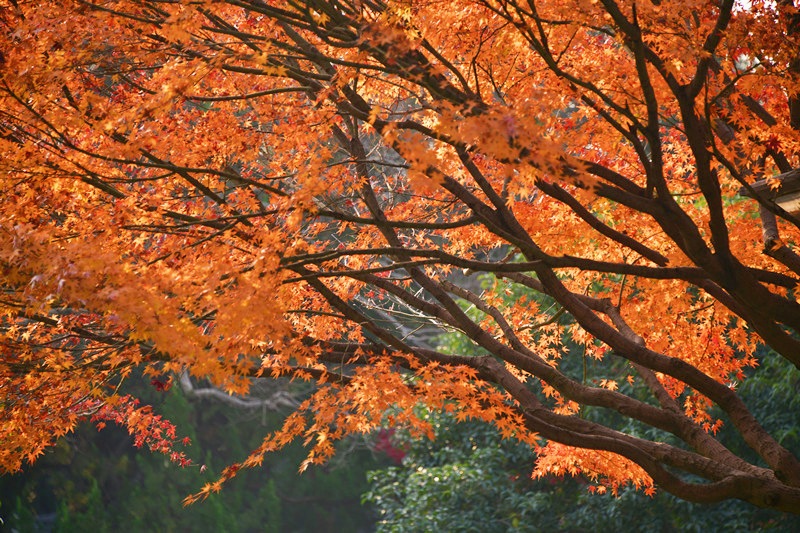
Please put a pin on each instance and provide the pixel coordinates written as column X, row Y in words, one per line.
column 254, row 189
column 97, row 481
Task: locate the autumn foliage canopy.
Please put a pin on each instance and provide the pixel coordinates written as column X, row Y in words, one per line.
column 305, row 189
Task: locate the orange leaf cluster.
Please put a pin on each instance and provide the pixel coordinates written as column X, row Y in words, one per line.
column 316, row 190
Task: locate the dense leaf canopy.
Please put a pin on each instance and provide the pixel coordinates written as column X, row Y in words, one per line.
column 261, row 189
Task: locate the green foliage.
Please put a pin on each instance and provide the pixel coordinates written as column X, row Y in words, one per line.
column 773, row 394
column 272, row 504
column 93, row 518
column 468, row 479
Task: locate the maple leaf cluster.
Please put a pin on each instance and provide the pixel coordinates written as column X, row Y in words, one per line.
column 314, row 190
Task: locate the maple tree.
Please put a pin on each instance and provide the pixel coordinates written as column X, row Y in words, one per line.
column 260, row 189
